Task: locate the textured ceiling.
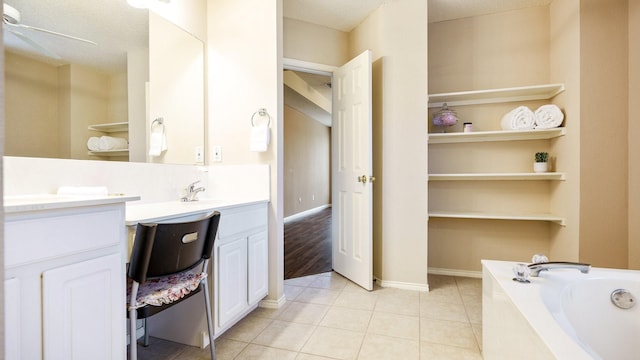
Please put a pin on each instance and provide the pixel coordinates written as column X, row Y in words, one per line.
column 114, row 25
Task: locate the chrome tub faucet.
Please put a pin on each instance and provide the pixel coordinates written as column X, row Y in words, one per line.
column 542, row 266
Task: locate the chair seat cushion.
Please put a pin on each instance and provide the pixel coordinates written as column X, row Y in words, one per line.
column 165, row 290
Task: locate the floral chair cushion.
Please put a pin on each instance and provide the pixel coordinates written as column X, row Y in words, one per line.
column 165, row 290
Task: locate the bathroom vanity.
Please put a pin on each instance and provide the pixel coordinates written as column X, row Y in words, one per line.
column 65, row 277
column 238, row 275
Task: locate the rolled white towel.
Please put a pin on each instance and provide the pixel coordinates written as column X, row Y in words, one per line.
column 548, row 117
column 113, row 143
column 93, row 143
column 520, row 118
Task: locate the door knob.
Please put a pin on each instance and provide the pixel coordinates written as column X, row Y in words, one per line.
column 362, row 179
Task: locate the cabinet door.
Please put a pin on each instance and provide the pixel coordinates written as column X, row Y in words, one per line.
column 12, row 321
column 258, row 267
column 84, row 310
column 232, row 280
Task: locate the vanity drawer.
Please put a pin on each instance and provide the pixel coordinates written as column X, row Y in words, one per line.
column 35, row 238
column 242, row 220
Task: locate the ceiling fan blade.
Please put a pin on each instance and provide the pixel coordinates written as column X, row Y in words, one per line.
column 52, row 33
column 34, row 44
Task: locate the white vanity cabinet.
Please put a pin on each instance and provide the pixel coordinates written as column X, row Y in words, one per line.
column 240, row 264
column 65, row 281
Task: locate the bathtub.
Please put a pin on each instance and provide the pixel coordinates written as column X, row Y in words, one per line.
column 562, row 314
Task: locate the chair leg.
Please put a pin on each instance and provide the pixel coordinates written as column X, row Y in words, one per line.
column 133, row 341
column 146, row 332
column 207, row 304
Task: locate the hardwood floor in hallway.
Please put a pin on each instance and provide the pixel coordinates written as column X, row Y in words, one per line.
column 307, row 245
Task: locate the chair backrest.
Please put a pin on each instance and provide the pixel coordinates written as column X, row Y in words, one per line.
column 167, row 248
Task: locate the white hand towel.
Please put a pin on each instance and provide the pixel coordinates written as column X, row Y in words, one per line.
column 83, row 190
column 260, row 136
column 157, row 140
column 548, row 117
column 93, row 143
column 520, row 118
column 113, row 143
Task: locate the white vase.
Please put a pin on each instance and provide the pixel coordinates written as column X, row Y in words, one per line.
column 540, row 167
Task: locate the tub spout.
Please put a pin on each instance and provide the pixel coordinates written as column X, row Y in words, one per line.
column 537, row 267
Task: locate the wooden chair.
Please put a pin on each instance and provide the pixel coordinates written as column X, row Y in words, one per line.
column 168, row 265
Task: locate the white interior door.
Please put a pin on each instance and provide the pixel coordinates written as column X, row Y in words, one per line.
column 352, row 171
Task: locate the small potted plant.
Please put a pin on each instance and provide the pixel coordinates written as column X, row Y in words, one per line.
column 541, row 164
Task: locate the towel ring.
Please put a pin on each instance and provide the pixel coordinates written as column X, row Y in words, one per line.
column 159, row 120
column 261, row 112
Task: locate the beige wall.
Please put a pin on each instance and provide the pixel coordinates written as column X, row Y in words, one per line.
column 604, row 132
column 634, row 135
column 49, row 107
column 307, row 154
column 313, row 43
column 31, row 105
column 396, row 33
column 244, row 61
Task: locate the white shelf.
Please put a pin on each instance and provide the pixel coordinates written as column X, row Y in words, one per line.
column 524, row 93
column 500, row 135
column 109, row 153
column 497, row 176
column 110, row 127
column 497, row 216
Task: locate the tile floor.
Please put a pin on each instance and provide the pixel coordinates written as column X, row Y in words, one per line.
column 328, row 317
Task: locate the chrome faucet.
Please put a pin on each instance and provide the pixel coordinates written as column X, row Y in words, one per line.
column 192, row 192
column 542, row 266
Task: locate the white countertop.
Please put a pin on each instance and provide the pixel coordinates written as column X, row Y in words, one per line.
column 166, row 210
column 39, row 202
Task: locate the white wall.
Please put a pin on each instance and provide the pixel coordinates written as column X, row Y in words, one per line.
column 397, row 35
column 245, row 74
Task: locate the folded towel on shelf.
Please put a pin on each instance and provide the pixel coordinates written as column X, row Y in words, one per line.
column 548, row 117
column 260, row 136
column 113, row 143
column 520, row 118
column 83, row 190
column 93, row 143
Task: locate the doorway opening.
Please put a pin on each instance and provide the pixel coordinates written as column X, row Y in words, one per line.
column 307, row 178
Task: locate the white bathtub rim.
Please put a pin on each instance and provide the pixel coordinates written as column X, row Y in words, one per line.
column 526, row 298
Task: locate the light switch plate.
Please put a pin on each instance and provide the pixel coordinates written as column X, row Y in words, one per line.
column 199, row 154
column 217, row 153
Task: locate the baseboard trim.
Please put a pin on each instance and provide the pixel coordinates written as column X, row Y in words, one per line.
column 455, row 272
column 273, row 303
column 402, row 285
column 305, row 213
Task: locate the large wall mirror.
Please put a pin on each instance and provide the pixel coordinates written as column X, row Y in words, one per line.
column 63, row 95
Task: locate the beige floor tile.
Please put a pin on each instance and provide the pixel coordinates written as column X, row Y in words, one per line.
column 228, row 349
column 473, row 305
column 363, row 300
column 445, row 332
column 257, row 352
column 347, row 319
column 329, row 282
column 318, row 296
column 291, row 292
column 304, row 313
column 270, row 313
column 477, row 331
column 301, row 281
column 448, row 294
column 442, row 310
column 303, row 356
column 334, row 343
column 469, row 286
column 383, row 347
column 402, row 326
column 401, row 302
column 430, row 351
column 284, row 335
column 439, row 281
column 247, row 329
